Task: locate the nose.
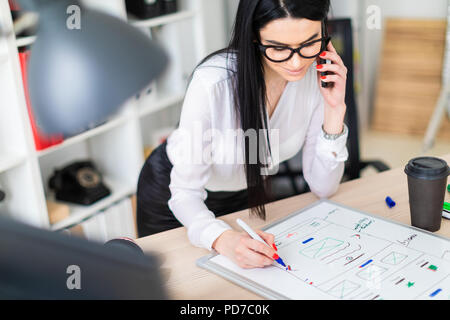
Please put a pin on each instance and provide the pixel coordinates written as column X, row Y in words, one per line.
column 295, row 62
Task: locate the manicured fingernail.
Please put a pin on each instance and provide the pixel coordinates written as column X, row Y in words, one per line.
column 323, row 54
column 319, row 66
column 274, row 246
column 323, row 77
column 275, row 256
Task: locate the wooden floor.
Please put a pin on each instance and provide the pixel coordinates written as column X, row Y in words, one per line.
column 396, row 150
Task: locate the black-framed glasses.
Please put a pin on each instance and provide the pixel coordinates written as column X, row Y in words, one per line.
column 309, row 50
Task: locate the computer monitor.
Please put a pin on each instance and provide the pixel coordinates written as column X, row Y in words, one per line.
column 40, row 264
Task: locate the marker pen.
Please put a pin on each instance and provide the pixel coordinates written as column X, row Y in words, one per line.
column 446, row 210
column 255, row 236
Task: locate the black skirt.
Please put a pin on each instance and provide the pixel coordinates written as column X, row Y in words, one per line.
column 153, row 194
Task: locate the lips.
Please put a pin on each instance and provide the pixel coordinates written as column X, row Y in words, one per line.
column 294, row 71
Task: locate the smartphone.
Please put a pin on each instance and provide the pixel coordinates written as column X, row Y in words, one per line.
column 325, row 84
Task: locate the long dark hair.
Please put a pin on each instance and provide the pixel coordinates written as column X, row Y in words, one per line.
column 249, row 82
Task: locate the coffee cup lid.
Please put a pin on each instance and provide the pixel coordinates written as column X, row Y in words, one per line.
column 429, row 168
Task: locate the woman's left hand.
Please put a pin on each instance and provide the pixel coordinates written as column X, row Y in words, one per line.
column 334, row 96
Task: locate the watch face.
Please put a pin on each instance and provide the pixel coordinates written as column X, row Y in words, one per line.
column 88, row 178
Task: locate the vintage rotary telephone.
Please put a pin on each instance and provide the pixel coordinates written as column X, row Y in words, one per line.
column 79, row 182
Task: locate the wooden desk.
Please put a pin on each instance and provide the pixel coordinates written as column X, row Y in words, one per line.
column 186, row 281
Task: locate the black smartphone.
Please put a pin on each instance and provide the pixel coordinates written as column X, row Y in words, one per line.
column 325, row 84
column 324, row 61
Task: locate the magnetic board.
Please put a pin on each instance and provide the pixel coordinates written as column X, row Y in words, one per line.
column 336, row 252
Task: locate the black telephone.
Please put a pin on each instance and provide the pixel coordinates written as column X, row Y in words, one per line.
column 324, row 61
column 325, row 84
column 80, row 183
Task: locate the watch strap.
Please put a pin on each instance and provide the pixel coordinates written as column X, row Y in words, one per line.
column 329, row 136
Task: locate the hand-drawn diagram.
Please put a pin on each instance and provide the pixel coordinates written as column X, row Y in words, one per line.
column 343, row 289
column 322, row 247
column 342, row 253
column 371, row 272
column 394, row 258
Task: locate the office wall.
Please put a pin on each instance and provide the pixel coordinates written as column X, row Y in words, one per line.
column 231, row 9
column 215, row 20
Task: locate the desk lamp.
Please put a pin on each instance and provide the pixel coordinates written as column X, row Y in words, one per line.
column 78, row 77
column 82, row 71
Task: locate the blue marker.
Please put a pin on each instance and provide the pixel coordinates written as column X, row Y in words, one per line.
column 435, row 293
column 255, row 236
column 365, row 264
column 390, row 202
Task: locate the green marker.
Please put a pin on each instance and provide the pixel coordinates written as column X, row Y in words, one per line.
column 448, row 188
column 446, row 206
column 432, row 267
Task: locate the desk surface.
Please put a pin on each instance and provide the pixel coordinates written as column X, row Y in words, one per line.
column 186, row 281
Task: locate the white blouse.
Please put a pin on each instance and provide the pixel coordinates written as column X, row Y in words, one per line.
column 206, row 151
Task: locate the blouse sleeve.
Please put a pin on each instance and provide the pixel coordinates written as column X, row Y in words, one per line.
column 323, row 159
column 191, row 168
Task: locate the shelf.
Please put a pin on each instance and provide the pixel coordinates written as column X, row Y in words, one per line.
column 10, row 162
column 161, row 103
column 115, row 145
column 25, row 41
column 78, row 213
column 162, row 20
column 3, row 58
column 85, row 135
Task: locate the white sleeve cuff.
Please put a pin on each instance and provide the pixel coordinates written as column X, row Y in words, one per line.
column 212, row 232
column 333, row 151
column 203, row 232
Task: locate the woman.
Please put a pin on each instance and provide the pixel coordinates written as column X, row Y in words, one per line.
column 257, row 83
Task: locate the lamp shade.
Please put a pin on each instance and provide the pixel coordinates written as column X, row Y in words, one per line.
column 84, row 65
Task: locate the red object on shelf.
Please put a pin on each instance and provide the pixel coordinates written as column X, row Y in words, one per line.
column 41, row 140
column 13, row 5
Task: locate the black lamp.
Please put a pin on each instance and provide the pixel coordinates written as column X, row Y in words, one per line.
column 78, row 77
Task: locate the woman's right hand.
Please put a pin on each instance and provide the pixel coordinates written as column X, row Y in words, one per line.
column 244, row 251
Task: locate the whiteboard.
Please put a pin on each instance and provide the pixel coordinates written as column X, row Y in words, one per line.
column 336, row 252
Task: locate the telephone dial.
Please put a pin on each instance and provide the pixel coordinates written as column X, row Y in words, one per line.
column 80, row 183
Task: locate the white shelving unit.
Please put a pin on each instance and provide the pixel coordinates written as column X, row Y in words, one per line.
column 25, row 41
column 117, row 146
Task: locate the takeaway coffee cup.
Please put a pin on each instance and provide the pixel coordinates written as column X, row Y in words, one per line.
column 427, row 178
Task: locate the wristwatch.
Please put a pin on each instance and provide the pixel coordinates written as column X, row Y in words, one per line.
column 334, row 136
